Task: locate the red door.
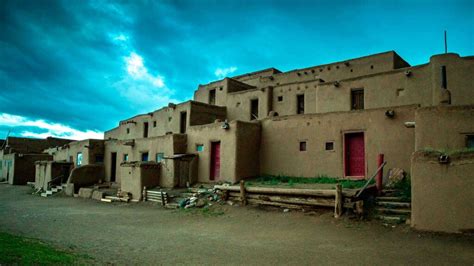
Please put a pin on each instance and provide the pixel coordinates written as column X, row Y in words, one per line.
column 355, row 155
column 215, row 161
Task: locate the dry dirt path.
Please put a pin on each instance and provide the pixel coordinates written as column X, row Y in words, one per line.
column 145, row 234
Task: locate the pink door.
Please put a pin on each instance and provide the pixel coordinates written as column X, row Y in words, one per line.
column 354, row 155
column 215, row 161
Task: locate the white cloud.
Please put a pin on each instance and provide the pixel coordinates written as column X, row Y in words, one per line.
column 120, row 37
column 223, row 72
column 52, row 129
column 140, row 87
column 137, row 70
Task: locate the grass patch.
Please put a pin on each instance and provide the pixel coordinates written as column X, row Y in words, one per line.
column 272, row 180
column 27, row 251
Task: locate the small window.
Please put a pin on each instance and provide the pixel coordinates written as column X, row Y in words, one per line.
column 329, row 146
column 199, row 147
column 145, row 157
column 302, row 145
column 79, row 159
column 159, row 157
column 99, row 158
column 470, row 141
column 280, row 98
column 128, row 130
column 357, row 99
column 125, row 157
column 154, row 123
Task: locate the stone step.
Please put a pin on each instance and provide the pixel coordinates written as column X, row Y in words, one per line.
column 392, row 218
column 396, row 199
column 54, row 189
column 390, row 210
column 394, row 204
column 44, row 195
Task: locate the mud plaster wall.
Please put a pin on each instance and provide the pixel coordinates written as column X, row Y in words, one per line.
column 280, row 154
column 168, row 145
column 89, row 148
column 136, row 177
column 443, row 128
column 23, row 169
column 166, row 120
column 442, row 197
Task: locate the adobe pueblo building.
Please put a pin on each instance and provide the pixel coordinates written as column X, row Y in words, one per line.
column 331, row 120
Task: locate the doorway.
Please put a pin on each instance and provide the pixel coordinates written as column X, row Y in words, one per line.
column 354, row 157
column 215, row 161
column 183, row 122
column 113, row 166
column 254, row 109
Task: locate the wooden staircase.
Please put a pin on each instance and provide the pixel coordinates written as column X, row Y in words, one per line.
column 391, row 207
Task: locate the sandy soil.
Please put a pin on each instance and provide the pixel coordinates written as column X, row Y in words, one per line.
column 143, row 233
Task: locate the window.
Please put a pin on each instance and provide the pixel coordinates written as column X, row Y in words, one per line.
column 329, row 146
column 145, row 130
column 154, row 123
column 357, row 99
column 300, row 104
column 128, row 130
column 254, row 109
column 470, row 141
column 302, row 145
column 99, row 158
column 125, row 157
column 199, row 147
column 79, row 159
column 159, row 157
column 280, row 98
column 212, row 97
column 145, row 157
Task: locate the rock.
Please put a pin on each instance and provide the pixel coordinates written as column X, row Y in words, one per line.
column 97, row 195
column 85, row 192
column 200, row 203
column 69, row 191
column 286, row 210
column 231, row 203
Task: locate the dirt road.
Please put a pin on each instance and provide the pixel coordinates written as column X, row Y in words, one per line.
column 146, row 234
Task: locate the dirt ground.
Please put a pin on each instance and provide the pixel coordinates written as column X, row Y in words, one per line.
column 143, row 233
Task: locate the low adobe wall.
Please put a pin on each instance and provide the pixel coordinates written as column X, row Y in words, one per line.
column 86, row 175
column 138, row 175
column 442, row 196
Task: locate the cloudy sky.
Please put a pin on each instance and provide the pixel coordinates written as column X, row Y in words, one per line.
column 74, row 68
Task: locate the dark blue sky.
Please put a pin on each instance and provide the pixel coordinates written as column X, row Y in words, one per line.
column 72, row 68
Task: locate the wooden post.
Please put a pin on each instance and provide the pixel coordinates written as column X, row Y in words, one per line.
column 338, row 204
column 144, row 194
column 379, row 178
column 242, row 193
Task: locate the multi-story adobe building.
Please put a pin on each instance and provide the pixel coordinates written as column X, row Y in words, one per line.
column 330, row 120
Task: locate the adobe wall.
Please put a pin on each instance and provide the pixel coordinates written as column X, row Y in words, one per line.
column 86, row 175
column 137, row 175
column 233, row 151
column 442, row 197
column 24, row 167
column 90, row 148
column 166, row 120
column 238, row 104
column 280, row 153
column 443, row 127
column 168, row 145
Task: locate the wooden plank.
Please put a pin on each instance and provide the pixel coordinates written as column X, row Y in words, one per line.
column 243, row 200
column 322, row 202
column 284, row 191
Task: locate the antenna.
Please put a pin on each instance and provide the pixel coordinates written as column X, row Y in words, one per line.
column 445, row 43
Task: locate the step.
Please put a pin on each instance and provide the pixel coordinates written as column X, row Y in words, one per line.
column 54, row 189
column 392, row 218
column 387, row 198
column 44, row 195
column 389, row 210
column 59, row 188
column 394, row 204
column 49, row 192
